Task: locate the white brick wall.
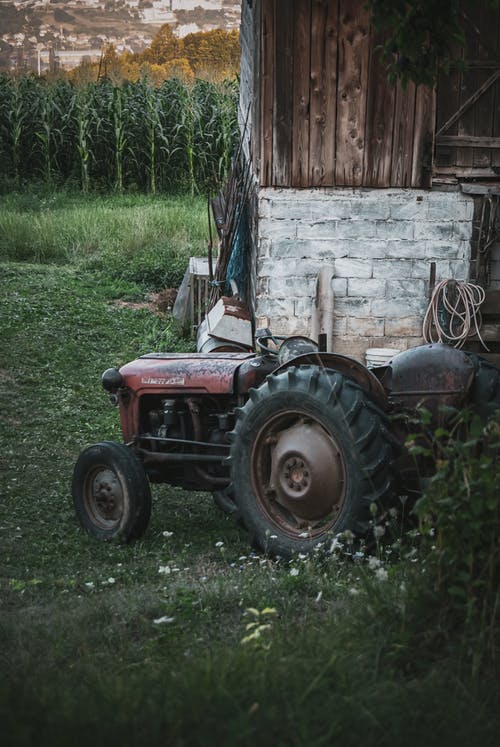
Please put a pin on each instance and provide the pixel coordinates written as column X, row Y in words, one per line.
column 380, row 243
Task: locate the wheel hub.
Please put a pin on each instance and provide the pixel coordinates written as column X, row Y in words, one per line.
column 306, row 476
column 106, row 497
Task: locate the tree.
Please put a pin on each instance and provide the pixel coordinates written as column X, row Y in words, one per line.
column 165, row 46
column 421, row 37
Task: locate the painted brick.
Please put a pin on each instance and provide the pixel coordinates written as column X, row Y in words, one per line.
column 413, row 209
column 421, row 268
column 394, row 268
column 289, row 325
column 353, row 268
column 407, row 288
column 399, row 249
column 462, row 230
column 356, row 229
column 435, row 231
column 294, row 287
column 459, row 269
column 277, row 229
column 448, row 250
column 339, row 326
column 366, row 287
column 408, row 326
column 365, row 327
column 320, row 249
column 275, row 307
column 367, row 249
column 302, row 268
column 395, row 229
column 359, row 307
column 339, row 287
column 398, row 307
column 326, row 229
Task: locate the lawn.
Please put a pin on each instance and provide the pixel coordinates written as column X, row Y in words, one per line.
column 186, row 637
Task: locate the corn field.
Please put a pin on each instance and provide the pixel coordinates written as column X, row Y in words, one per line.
column 176, row 137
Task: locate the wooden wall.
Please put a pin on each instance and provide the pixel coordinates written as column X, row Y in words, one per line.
column 326, row 114
column 468, row 103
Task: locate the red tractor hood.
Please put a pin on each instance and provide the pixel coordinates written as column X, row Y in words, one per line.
column 213, row 373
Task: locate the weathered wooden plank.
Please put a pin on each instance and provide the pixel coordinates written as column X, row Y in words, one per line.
column 283, row 93
column 255, row 132
column 323, row 98
column 491, row 304
column 379, row 122
column 483, row 111
column 266, row 91
column 423, row 138
column 301, row 90
column 353, row 57
column 469, row 141
column 402, row 143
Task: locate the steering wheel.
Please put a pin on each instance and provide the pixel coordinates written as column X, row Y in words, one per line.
column 262, row 343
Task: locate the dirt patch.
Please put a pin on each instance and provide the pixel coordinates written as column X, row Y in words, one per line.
column 157, row 303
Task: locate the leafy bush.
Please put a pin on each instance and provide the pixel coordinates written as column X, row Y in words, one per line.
column 460, row 521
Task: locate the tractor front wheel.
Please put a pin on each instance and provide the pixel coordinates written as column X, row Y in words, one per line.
column 111, row 492
column 310, row 455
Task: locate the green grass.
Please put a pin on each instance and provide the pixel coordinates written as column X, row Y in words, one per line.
column 351, row 657
column 142, row 239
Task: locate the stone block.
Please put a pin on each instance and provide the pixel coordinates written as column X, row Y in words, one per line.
column 434, row 231
column 408, row 326
column 462, row 230
column 412, row 208
column 339, row 287
column 365, row 327
column 409, row 306
column 393, row 268
column 295, row 287
column 353, row 268
column 442, row 250
column 275, row 307
column 325, row 229
column 356, row 229
column 421, row 268
column 366, row 248
column 395, row 229
column 350, row 306
column 411, row 288
column 402, row 249
column 277, row 229
column 366, row 287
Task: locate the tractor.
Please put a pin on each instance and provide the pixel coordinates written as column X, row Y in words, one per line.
column 299, row 443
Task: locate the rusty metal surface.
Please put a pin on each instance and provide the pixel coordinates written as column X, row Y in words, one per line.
column 431, row 376
column 183, row 373
column 298, row 474
column 347, row 366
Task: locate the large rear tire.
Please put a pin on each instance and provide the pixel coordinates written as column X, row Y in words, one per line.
column 111, row 492
column 310, row 453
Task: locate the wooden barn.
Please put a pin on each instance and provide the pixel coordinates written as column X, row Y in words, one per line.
column 368, row 185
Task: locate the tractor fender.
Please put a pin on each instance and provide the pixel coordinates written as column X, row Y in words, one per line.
column 430, row 376
column 347, row 366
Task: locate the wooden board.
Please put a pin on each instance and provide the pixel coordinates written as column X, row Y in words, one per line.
column 323, row 94
column 353, row 58
column 301, row 91
column 267, row 45
column 283, row 93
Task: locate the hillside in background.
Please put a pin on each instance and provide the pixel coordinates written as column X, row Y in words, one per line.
column 78, row 29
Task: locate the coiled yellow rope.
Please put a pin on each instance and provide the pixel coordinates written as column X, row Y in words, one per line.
column 460, row 302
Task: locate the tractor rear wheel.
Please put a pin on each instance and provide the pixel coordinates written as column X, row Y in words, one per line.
column 111, row 492
column 310, row 453
column 485, row 390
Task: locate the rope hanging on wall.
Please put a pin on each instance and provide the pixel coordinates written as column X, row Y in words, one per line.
column 453, row 313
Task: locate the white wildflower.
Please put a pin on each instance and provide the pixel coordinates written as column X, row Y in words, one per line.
column 353, row 591
column 318, row 597
column 167, row 534
column 219, row 544
column 89, row 584
column 111, row 580
column 163, row 620
column 165, row 569
column 381, row 574
column 294, row 571
column 374, row 562
column 378, row 532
